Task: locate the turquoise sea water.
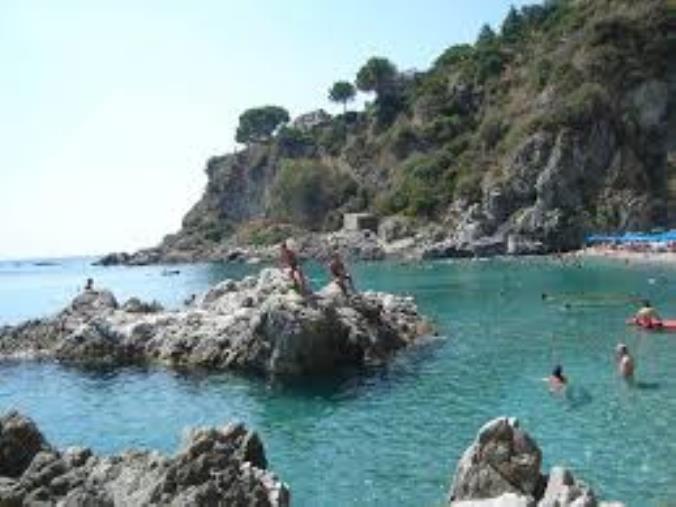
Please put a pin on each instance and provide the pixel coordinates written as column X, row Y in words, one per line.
column 392, row 436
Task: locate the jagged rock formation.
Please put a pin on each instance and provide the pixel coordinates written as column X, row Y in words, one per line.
column 259, row 325
column 558, row 126
column 216, row 466
column 502, row 469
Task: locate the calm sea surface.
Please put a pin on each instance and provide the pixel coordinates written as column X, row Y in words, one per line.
column 392, row 436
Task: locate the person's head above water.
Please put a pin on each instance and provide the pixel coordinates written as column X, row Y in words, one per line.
column 646, row 303
column 557, row 371
column 621, row 349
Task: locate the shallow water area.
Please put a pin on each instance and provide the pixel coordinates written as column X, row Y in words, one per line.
column 393, row 435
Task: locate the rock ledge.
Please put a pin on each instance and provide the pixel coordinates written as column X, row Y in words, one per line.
column 259, row 324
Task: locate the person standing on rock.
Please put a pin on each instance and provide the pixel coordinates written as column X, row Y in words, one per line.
column 90, row 284
column 625, row 363
column 340, row 275
column 289, row 261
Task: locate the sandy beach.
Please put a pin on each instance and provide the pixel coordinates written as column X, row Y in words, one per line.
column 627, row 256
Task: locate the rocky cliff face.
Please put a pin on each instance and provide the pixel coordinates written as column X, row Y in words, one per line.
column 217, row 466
column 527, row 142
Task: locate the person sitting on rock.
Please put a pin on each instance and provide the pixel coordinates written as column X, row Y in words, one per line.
column 647, row 316
column 625, row 363
column 557, row 380
column 340, row 275
column 289, row 261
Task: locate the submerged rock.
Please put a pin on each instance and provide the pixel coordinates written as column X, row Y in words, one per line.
column 259, row 324
column 216, row 466
column 502, row 469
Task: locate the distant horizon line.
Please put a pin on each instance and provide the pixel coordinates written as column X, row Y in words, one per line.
column 33, row 259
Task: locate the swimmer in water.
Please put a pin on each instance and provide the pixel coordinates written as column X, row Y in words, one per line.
column 625, row 363
column 557, row 380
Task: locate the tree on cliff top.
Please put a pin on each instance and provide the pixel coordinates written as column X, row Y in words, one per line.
column 342, row 92
column 377, row 75
column 486, row 35
column 258, row 124
column 512, row 25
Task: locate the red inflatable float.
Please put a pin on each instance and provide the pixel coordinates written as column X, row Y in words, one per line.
column 659, row 325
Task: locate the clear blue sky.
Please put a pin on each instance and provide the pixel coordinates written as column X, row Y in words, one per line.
column 110, row 108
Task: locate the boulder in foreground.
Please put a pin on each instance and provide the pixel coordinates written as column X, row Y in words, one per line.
column 217, row 466
column 502, row 469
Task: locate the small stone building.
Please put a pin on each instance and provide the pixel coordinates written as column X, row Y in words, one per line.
column 360, row 222
column 311, row 120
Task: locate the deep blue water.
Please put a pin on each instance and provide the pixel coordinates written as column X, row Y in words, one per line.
column 392, row 436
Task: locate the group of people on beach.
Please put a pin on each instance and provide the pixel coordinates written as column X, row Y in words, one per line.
column 611, row 247
column 339, row 273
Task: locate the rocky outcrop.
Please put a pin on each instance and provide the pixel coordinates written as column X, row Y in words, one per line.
column 541, row 204
column 216, row 466
column 20, row 441
column 260, row 324
column 114, row 259
column 502, row 469
column 503, row 459
column 355, row 245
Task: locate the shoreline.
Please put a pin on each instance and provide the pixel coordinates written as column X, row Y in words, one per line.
column 626, row 256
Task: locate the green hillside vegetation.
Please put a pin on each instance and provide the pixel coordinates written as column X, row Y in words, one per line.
column 445, row 136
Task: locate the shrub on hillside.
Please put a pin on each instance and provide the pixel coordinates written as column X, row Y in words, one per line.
column 491, row 130
column 264, row 232
column 445, row 128
column 333, row 137
column 454, row 56
column 294, row 142
column 305, row 191
column 404, row 140
column 421, row 186
column 213, row 232
column 541, row 73
column 488, row 63
column 468, row 185
column 579, row 108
